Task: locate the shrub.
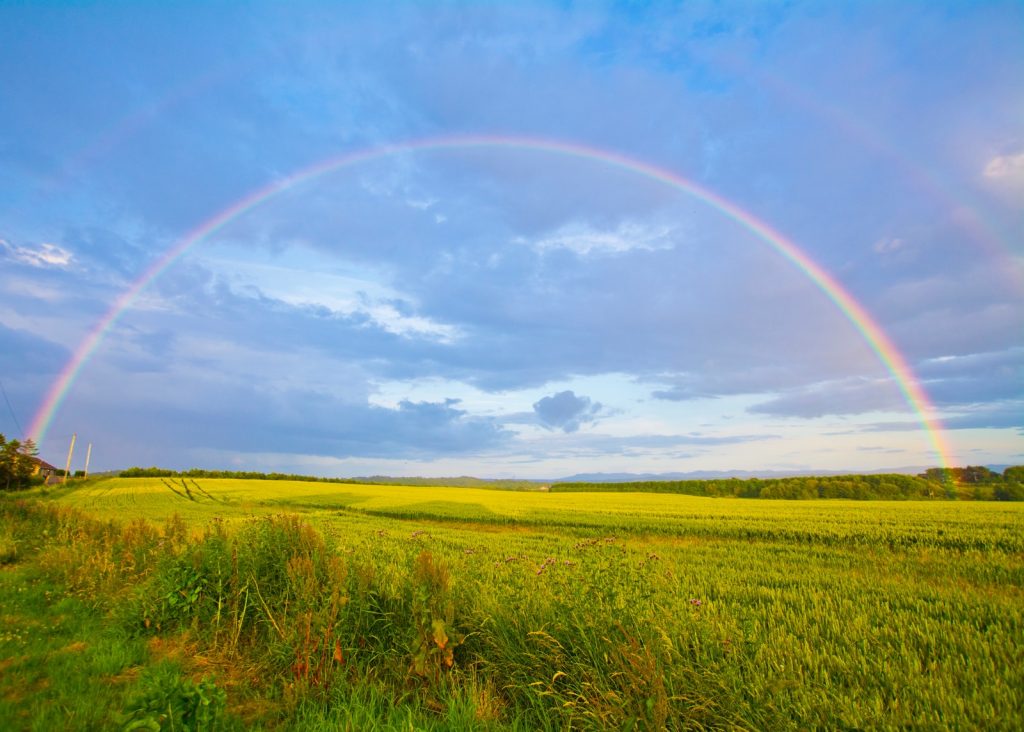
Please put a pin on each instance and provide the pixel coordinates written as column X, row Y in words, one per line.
column 165, row 700
column 434, row 637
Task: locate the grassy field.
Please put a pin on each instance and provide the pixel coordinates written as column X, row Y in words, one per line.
column 315, row 606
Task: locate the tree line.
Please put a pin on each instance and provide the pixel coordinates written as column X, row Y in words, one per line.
column 971, row 483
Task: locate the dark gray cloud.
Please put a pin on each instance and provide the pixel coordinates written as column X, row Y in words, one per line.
column 106, row 253
column 595, row 445
column 951, row 382
column 566, row 411
column 978, row 383
column 239, row 418
column 857, row 396
column 23, row 352
column 1002, row 415
column 974, row 379
column 26, row 362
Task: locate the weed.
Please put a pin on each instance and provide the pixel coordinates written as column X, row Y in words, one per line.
column 434, row 637
column 167, row 700
column 8, row 546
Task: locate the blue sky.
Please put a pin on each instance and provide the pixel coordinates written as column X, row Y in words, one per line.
column 502, row 311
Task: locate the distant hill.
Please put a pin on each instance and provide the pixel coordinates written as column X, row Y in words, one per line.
column 463, row 481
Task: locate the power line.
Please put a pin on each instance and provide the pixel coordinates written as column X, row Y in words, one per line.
column 11, row 410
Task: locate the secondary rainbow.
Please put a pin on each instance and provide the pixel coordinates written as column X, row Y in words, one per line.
column 923, row 177
column 858, row 316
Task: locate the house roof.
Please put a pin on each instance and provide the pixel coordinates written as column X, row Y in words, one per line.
column 43, row 465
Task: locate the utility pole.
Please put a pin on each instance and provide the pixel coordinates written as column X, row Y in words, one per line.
column 71, row 449
column 88, row 454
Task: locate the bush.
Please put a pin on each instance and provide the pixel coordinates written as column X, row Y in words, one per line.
column 1010, row 492
column 165, row 700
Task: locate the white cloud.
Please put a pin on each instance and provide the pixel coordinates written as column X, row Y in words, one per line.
column 311, row 283
column 584, row 239
column 422, row 204
column 1006, row 167
column 45, row 255
column 889, row 245
column 389, row 318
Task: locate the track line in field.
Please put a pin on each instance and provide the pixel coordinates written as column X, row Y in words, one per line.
column 95, row 495
column 204, row 492
column 178, row 493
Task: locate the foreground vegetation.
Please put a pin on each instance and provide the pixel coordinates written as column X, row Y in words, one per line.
column 160, row 602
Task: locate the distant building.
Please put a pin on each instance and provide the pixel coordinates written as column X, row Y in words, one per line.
column 43, row 468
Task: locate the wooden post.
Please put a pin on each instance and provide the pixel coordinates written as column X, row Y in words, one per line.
column 67, row 468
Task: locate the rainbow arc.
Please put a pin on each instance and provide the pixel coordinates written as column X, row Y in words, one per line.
column 855, row 313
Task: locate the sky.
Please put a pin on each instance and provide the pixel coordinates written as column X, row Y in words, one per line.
column 513, row 240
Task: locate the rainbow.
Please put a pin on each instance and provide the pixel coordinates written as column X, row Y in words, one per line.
column 858, row 316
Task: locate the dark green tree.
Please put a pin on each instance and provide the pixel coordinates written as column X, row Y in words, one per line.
column 1012, row 488
column 17, row 462
column 1014, row 474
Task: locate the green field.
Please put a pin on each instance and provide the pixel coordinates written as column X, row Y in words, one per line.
column 311, row 605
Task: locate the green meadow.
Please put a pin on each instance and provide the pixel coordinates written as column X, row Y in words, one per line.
column 170, row 603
